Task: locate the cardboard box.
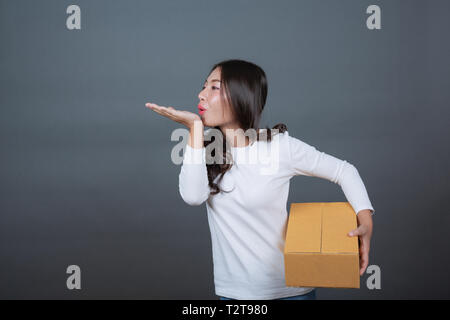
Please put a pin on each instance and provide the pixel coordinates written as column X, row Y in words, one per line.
column 318, row 252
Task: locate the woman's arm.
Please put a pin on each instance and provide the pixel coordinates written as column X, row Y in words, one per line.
column 307, row 160
column 193, row 177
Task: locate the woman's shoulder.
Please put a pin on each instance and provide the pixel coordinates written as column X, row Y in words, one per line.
column 278, row 140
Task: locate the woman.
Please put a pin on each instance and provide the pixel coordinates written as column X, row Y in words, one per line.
column 246, row 209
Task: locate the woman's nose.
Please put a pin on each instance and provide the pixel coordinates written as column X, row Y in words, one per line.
column 202, row 95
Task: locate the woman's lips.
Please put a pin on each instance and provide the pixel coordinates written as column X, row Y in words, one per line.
column 201, row 110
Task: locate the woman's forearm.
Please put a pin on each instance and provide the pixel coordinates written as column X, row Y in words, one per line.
column 196, row 135
column 193, row 178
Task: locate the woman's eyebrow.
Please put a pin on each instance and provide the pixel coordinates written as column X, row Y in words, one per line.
column 213, row 80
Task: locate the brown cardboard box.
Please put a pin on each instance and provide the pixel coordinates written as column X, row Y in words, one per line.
column 318, row 252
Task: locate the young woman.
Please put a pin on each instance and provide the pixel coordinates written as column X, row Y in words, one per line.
column 246, row 209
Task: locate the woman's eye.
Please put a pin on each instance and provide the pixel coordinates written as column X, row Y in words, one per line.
column 203, row 88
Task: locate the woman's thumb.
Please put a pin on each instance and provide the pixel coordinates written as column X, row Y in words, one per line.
column 355, row 232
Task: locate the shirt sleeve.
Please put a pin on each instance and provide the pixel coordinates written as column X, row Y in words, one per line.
column 308, row 161
column 193, row 178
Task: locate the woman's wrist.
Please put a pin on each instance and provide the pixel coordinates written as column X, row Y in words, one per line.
column 364, row 217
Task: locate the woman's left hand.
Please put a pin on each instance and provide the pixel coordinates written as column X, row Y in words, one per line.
column 364, row 233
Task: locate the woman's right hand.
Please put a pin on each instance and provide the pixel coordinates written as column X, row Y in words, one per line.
column 184, row 117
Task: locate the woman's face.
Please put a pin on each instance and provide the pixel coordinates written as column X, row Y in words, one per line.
column 216, row 113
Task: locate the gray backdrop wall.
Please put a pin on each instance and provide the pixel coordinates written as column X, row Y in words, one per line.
column 86, row 176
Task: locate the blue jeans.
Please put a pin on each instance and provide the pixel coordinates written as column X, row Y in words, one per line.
column 308, row 296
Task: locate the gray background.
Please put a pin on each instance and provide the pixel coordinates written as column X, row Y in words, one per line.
column 86, row 176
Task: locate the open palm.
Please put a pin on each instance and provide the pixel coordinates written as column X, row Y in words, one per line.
column 186, row 118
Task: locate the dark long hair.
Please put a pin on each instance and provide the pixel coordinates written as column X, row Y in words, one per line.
column 245, row 89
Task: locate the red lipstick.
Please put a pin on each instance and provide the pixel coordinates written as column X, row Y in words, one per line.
column 201, row 110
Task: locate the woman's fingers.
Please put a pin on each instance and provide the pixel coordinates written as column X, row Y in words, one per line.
column 165, row 111
column 360, row 231
column 364, row 246
column 355, row 232
column 152, row 106
column 364, row 259
column 169, row 112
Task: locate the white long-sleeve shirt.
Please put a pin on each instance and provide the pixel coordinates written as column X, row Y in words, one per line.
column 248, row 224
